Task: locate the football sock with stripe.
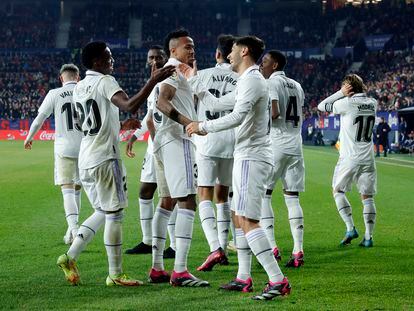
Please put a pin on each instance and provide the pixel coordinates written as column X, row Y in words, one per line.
column 86, row 232
column 370, row 213
column 146, row 212
column 183, row 236
column 113, row 241
column 71, row 209
column 267, row 220
column 296, row 221
column 159, row 236
column 244, row 255
column 171, row 227
column 223, row 223
column 260, row 246
column 344, row 209
column 208, row 223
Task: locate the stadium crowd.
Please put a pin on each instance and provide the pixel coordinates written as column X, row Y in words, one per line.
column 27, row 75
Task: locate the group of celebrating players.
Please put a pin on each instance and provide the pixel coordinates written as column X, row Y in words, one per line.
column 229, row 133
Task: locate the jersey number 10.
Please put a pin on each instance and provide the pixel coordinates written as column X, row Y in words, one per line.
column 365, row 124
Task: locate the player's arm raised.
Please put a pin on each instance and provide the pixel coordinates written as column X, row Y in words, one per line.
column 327, row 103
column 123, row 102
column 164, row 105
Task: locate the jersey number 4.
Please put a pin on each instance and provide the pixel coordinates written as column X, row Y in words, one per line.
column 292, row 111
column 365, row 124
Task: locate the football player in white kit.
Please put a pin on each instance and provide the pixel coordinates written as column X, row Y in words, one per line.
column 98, row 98
column 67, row 143
column 253, row 161
column 287, row 98
column 214, row 158
column 148, row 180
column 175, row 166
column 356, row 155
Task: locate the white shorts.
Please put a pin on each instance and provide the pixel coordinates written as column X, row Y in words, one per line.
column 249, row 187
column 291, row 170
column 106, row 185
column 66, row 171
column 176, row 169
column 148, row 174
column 347, row 172
column 213, row 170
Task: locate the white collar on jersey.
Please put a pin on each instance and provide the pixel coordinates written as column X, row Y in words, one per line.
column 173, row 61
column 224, row 66
column 359, row 95
column 251, row 68
column 277, row 73
column 69, row 82
column 93, row 73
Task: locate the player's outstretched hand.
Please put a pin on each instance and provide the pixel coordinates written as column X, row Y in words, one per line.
column 130, row 124
column 129, row 151
column 194, row 128
column 188, row 71
column 161, row 74
column 28, row 145
column 347, row 89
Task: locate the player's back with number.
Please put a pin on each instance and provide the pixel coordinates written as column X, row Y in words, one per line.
column 98, row 117
column 357, row 121
column 67, row 136
column 288, row 125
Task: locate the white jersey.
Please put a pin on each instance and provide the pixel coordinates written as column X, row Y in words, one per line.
column 183, row 102
column 251, row 117
column 357, row 121
column 99, row 118
column 286, row 131
column 67, row 135
column 219, row 81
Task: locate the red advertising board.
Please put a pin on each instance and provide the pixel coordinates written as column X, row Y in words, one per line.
column 50, row 135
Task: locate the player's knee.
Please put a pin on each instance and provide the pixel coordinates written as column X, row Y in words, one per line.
column 147, row 191
column 269, row 191
column 67, row 186
column 222, row 193
column 206, row 193
column 291, row 193
column 117, row 216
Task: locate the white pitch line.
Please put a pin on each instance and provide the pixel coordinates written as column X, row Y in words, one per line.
column 377, row 161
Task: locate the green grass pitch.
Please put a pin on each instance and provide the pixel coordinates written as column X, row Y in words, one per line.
column 333, row 278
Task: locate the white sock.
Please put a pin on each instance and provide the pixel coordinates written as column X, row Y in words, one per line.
column 159, row 231
column 344, row 209
column 296, row 221
column 183, row 236
column 86, row 232
column 71, row 209
column 171, row 227
column 146, row 212
column 208, row 223
column 244, row 255
column 233, row 231
column 113, row 241
column 267, row 220
column 223, row 223
column 260, row 246
column 78, row 198
column 370, row 212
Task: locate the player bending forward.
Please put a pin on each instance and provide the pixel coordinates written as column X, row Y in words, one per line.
column 253, row 161
column 98, row 98
column 356, row 156
column 67, row 143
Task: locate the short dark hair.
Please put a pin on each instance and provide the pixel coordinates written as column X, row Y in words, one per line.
column 174, row 35
column 92, row 51
column 224, row 45
column 255, row 45
column 155, row 47
column 279, row 58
